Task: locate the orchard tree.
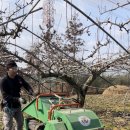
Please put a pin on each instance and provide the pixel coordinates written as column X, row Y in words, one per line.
column 67, row 56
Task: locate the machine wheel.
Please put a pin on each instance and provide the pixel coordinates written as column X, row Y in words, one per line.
column 40, row 127
column 34, row 124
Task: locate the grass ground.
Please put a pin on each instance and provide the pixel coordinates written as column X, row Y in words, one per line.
column 114, row 111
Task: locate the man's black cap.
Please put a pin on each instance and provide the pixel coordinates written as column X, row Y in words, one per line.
column 11, row 64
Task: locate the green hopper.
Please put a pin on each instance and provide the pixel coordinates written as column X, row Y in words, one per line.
column 53, row 111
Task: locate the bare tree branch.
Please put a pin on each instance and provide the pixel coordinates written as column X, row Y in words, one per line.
column 118, row 6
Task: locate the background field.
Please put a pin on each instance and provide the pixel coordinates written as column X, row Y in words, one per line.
column 114, row 110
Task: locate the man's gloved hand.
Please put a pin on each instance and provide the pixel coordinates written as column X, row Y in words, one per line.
column 22, row 100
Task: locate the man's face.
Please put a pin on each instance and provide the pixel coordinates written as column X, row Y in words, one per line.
column 12, row 71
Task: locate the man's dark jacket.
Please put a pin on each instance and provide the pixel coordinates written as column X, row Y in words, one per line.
column 10, row 90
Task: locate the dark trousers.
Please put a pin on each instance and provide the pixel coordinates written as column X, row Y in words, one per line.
column 12, row 113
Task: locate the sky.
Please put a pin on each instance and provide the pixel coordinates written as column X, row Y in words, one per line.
column 90, row 7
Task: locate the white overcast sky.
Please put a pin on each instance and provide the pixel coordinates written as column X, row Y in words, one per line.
column 90, row 7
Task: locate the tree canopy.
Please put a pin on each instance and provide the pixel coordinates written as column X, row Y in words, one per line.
column 83, row 50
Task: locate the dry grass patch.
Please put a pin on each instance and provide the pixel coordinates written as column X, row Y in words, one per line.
column 114, row 110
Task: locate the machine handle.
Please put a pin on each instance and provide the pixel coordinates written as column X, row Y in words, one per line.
column 60, row 105
column 46, row 95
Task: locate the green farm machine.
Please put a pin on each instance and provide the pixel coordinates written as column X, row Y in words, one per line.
column 53, row 111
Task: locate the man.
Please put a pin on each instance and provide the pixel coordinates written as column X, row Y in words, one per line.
column 10, row 87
